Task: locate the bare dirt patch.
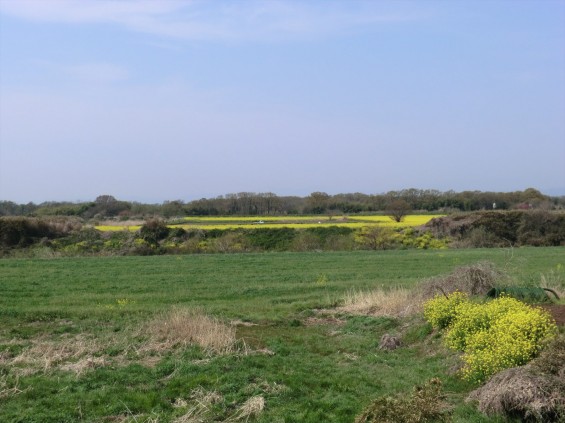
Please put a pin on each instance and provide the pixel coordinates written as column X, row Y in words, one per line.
column 557, row 311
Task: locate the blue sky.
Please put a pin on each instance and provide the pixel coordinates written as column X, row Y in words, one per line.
column 152, row 100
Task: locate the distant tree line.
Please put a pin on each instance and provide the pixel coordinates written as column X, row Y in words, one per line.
column 261, row 204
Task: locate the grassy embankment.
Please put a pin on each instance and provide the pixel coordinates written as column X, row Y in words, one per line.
column 78, row 341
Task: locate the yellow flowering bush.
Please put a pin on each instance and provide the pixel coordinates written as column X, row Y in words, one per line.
column 441, row 310
column 476, row 317
column 493, row 336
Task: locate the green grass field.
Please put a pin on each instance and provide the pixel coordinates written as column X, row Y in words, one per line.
column 92, row 314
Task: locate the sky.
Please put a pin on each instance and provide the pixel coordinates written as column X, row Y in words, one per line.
column 153, row 101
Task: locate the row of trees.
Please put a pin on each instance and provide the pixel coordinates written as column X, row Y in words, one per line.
column 248, row 203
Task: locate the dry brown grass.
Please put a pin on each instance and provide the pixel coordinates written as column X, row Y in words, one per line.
column 202, row 406
column 253, row 407
column 555, row 281
column 182, row 327
column 475, row 279
column 72, row 353
column 397, row 302
column 198, row 406
column 534, row 392
column 519, row 392
column 84, row 364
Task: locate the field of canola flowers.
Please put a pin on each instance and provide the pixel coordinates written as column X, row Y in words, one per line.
column 252, row 222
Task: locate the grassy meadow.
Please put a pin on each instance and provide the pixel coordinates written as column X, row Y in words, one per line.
column 104, row 339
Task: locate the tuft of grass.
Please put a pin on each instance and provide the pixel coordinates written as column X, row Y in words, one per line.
column 252, row 407
column 183, row 327
column 395, row 302
column 554, row 280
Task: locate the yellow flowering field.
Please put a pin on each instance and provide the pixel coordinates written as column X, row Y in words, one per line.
column 251, row 222
column 108, row 228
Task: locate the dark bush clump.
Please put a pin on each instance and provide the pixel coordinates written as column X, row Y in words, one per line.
column 426, row 404
column 153, row 231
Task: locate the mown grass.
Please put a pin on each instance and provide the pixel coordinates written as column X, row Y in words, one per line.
column 98, row 313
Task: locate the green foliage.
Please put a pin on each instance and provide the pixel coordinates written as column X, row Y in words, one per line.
column 413, row 238
column 493, row 336
column 277, row 239
column 153, row 231
column 503, row 228
column 22, row 232
column 425, row 404
column 377, row 237
column 502, row 225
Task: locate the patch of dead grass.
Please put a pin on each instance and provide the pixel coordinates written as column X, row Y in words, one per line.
column 396, row 302
column 519, row 392
column 72, row 353
column 253, row 407
column 198, row 406
column 182, row 327
column 554, row 281
column 475, row 279
column 84, row 364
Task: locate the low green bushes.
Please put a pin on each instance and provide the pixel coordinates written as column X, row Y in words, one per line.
column 425, row 404
column 493, row 336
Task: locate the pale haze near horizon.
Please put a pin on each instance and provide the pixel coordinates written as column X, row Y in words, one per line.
column 163, row 100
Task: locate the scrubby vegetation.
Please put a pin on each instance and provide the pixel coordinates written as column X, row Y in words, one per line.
column 425, row 404
column 60, row 236
column 502, row 229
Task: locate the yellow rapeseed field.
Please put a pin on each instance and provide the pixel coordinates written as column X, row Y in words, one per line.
column 251, row 222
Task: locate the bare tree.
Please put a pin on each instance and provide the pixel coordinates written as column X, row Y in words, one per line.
column 398, row 209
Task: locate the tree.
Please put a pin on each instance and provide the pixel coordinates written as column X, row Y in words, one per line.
column 376, row 237
column 398, row 209
column 317, row 202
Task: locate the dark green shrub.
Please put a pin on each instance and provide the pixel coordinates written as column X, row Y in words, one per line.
column 153, row 231
column 502, row 225
column 278, row 239
column 541, row 228
column 25, row 231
